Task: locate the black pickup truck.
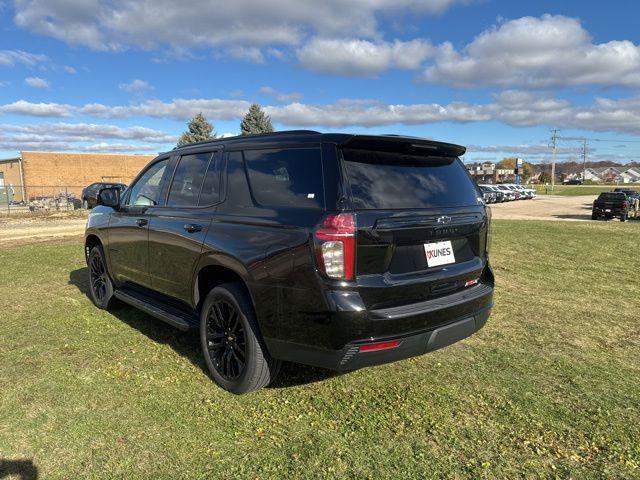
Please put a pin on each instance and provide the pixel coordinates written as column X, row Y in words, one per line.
column 609, row 205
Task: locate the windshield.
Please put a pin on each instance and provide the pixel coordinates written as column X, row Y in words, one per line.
column 387, row 180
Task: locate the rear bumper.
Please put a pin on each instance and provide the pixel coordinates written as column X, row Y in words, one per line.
column 418, row 329
column 612, row 212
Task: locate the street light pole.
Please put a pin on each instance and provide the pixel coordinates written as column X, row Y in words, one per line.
column 554, row 139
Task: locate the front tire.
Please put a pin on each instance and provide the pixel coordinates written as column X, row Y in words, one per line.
column 231, row 342
column 100, row 285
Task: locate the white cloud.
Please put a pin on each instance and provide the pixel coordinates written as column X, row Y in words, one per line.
column 179, row 109
column 539, row 149
column 368, row 114
column 548, row 51
column 209, row 23
column 136, row 86
column 89, row 132
column 9, row 58
column 282, row 97
column 22, row 107
column 250, row 54
column 82, row 137
column 515, row 108
column 8, row 143
column 36, row 82
column 70, row 69
column 355, row 57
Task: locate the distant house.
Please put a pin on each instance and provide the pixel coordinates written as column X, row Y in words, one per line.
column 609, row 174
column 592, row 174
column 482, row 172
column 630, row 175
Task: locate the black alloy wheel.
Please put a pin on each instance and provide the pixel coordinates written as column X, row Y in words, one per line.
column 226, row 339
column 234, row 350
column 100, row 284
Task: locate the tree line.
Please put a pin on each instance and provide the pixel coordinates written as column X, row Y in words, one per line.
column 199, row 129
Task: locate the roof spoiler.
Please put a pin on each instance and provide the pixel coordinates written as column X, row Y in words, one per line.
column 409, row 145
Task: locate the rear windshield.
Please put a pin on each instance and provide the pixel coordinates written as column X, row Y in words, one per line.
column 384, row 180
column 612, row 196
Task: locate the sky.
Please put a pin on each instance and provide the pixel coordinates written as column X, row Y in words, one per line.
column 493, row 75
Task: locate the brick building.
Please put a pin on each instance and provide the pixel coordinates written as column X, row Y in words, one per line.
column 38, row 174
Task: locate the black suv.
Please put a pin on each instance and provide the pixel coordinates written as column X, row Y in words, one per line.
column 333, row 250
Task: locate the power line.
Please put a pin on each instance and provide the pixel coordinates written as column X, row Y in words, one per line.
column 580, row 139
column 584, row 159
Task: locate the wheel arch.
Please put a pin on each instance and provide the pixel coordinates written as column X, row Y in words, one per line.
column 90, row 241
column 217, row 270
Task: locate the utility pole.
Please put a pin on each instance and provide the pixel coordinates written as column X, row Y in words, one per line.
column 554, row 141
column 584, row 159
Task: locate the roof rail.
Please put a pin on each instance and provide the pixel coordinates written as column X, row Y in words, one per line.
column 257, row 135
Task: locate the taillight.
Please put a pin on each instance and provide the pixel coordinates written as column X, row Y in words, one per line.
column 336, row 246
column 489, row 237
column 625, row 204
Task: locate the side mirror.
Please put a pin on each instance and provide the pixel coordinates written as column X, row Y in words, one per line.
column 109, row 197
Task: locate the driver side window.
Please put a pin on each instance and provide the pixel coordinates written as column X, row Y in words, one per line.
column 146, row 191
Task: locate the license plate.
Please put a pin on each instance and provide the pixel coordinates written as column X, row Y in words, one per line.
column 439, row 253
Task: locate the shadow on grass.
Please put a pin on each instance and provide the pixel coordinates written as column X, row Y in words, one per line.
column 21, row 469
column 187, row 344
column 573, row 217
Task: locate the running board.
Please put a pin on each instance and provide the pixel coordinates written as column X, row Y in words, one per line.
column 176, row 318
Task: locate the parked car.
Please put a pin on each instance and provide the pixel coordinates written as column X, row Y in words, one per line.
column 527, row 193
column 508, row 192
column 572, row 182
column 611, row 205
column 89, row 194
column 633, row 197
column 334, row 250
column 500, row 195
column 488, row 194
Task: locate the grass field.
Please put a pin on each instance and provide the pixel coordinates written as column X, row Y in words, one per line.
column 574, row 190
column 549, row 388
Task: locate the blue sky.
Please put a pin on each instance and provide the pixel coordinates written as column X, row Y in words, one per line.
column 90, row 75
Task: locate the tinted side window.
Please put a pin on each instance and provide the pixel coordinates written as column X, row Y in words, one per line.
column 146, row 191
column 211, row 187
column 187, row 180
column 286, row 178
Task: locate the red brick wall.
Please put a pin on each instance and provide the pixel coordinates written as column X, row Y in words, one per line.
column 47, row 173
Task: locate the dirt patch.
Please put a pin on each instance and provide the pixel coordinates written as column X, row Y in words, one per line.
column 548, row 207
column 33, row 229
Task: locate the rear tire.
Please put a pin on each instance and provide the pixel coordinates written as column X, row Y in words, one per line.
column 594, row 216
column 100, row 285
column 623, row 217
column 231, row 342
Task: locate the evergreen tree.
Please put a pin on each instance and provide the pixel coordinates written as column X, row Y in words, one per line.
column 199, row 129
column 255, row 121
